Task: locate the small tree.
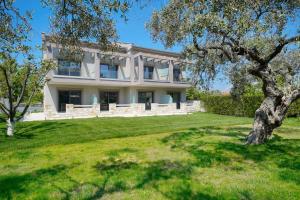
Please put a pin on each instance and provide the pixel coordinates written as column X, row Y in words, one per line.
column 217, row 33
column 19, row 83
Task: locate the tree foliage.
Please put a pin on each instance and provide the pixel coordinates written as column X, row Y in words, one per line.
column 92, row 20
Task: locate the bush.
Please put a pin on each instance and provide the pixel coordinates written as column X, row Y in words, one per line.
column 245, row 106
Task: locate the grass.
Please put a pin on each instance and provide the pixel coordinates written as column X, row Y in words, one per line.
column 198, row 156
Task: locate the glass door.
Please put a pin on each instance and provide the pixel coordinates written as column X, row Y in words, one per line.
column 147, row 98
column 68, row 97
column 106, row 98
column 175, row 98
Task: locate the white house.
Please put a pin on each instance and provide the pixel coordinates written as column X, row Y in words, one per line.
column 134, row 81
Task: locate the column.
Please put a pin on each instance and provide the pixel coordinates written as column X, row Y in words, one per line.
column 131, row 67
column 97, row 66
column 171, row 66
column 141, row 68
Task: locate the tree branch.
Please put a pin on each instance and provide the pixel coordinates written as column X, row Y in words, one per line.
column 4, row 109
column 279, row 47
column 24, row 85
column 205, row 49
column 10, row 98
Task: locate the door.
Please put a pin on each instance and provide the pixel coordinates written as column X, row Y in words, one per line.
column 106, row 98
column 68, row 97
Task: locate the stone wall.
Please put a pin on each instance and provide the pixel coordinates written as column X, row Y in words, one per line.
column 121, row 110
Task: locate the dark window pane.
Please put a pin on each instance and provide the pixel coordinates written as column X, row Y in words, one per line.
column 175, row 96
column 144, row 97
column 148, row 72
column 109, row 97
column 176, row 74
column 68, row 97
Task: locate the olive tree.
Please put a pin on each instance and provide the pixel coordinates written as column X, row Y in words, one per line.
column 218, row 33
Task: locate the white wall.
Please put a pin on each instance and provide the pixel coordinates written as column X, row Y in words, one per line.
column 50, row 97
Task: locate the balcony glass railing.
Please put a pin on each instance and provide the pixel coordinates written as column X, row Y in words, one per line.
column 68, row 68
column 109, row 71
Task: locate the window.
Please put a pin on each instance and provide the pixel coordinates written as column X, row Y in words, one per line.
column 68, row 97
column 68, row 68
column 176, row 96
column 176, row 74
column 148, row 72
column 108, row 71
column 106, row 98
column 109, row 97
column 144, row 97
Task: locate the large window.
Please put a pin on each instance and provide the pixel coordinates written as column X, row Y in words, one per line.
column 176, row 96
column 68, row 68
column 68, row 97
column 108, row 71
column 177, row 74
column 106, row 98
column 144, row 97
column 148, row 72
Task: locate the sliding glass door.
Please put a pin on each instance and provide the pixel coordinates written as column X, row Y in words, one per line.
column 68, row 97
column 147, row 98
column 106, row 98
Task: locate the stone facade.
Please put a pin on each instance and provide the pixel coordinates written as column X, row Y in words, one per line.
column 118, row 110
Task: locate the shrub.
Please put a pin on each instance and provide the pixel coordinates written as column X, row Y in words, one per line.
column 245, row 106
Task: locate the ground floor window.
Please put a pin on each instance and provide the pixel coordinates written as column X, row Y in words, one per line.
column 144, row 97
column 108, row 97
column 176, row 96
column 68, row 97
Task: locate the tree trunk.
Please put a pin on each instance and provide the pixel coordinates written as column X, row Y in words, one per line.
column 267, row 117
column 10, row 127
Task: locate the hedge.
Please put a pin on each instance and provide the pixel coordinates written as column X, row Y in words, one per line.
column 246, row 106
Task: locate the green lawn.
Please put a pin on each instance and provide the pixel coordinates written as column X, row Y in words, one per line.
column 198, row 156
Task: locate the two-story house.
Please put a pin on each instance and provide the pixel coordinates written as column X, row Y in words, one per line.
column 134, row 81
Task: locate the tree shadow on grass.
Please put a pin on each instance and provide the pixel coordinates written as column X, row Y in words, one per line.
column 148, row 174
column 29, row 130
column 183, row 191
column 17, row 184
column 284, row 153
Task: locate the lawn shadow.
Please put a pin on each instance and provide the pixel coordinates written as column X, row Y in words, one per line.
column 284, row 153
column 30, row 130
column 163, row 170
column 13, row 184
column 184, row 191
column 148, row 174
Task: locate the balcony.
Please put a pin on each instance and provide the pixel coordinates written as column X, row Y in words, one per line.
column 105, row 68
